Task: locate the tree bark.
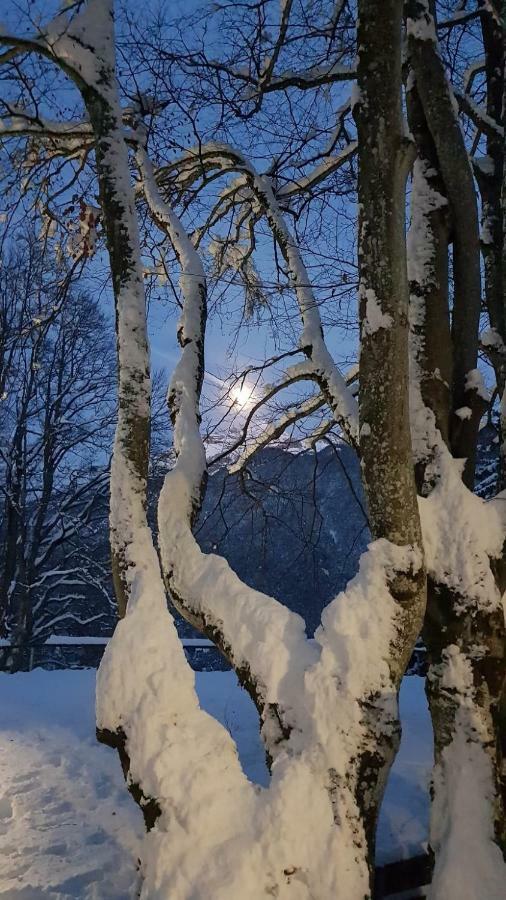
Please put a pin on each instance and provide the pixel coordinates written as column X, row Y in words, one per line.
column 385, row 443
column 129, row 468
column 464, row 626
column 438, row 106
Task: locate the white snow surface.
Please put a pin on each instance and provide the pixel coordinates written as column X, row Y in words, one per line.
column 68, row 828
column 474, row 382
column 493, row 340
column 426, row 200
column 70, row 831
column 423, row 27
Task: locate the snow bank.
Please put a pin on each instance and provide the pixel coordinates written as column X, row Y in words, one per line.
column 68, row 829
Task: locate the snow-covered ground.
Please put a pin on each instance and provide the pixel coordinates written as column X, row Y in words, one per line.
column 68, row 828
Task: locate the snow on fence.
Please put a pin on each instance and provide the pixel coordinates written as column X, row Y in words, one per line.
column 61, row 651
column 84, row 652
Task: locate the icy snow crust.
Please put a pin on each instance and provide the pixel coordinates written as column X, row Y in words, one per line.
column 375, row 318
column 68, row 829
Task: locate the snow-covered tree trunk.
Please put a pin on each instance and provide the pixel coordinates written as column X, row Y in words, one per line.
column 464, row 628
column 442, row 119
column 431, row 346
column 385, row 444
column 328, row 706
column 131, row 448
column 82, row 44
column 491, row 178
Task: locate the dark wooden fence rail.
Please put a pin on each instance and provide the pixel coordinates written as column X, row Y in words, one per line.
column 400, row 878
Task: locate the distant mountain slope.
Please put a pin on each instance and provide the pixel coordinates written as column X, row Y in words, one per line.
column 294, row 528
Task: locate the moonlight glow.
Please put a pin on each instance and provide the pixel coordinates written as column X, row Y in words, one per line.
column 242, row 395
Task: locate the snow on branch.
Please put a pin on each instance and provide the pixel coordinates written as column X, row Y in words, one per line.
column 68, row 136
column 257, row 633
column 300, row 372
column 471, row 72
column 292, row 415
column 319, row 434
column 325, row 168
column 308, row 820
column 79, row 44
column 305, row 79
column 312, row 342
column 461, row 17
column 315, row 76
column 332, row 383
column 273, row 431
column 478, row 115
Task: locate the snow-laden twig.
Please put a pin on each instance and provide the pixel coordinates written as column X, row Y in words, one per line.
column 478, row 115
column 325, row 168
column 203, row 585
column 292, row 415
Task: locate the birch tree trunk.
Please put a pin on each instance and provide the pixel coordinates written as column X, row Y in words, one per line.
column 84, row 48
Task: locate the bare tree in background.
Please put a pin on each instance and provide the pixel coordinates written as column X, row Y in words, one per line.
column 58, row 410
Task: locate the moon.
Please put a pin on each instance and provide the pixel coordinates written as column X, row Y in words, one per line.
column 242, row 395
